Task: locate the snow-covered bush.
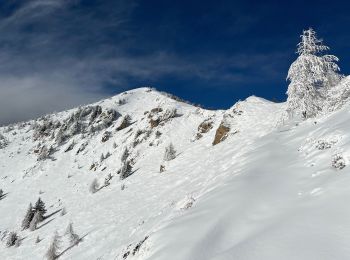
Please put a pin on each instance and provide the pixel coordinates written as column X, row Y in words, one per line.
column 170, row 152
column 44, row 153
column 11, row 239
column 158, row 115
column 108, row 179
column 323, row 145
column 3, row 141
column 94, row 186
column 311, row 76
column 338, row 161
column 105, row 137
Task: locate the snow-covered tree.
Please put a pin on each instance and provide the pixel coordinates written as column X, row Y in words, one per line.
column 11, row 239
column 311, row 76
column 28, row 217
column 52, row 253
column 170, row 152
column 73, row 237
column 125, row 154
column 126, row 170
column 36, row 219
column 40, row 206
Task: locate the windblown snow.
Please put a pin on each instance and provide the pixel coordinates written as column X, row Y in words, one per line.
column 267, row 190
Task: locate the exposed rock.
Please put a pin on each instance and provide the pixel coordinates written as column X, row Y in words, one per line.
column 221, row 134
column 203, row 128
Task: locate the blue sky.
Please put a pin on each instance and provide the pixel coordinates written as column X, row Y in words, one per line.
column 56, row 54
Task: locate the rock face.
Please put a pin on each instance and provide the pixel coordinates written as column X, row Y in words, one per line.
column 204, row 128
column 221, row 134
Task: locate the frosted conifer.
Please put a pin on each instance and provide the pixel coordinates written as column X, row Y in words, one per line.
column 52, row 252
column 311, row 75
column 126, row 170
column 170, row 153
column 40, row 206
column 125, row 154
column 36, row 219
column 73, row 237
column 28, row 217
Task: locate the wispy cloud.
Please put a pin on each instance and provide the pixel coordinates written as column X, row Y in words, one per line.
column 56, row 54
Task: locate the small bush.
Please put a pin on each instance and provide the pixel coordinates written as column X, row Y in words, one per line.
column 170, row 152
column 11, row 239
column 94, row 186
column 338, row 161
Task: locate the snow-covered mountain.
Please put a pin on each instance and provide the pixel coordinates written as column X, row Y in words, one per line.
column 243, row 184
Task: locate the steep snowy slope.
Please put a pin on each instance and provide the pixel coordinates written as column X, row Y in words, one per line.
column 266, row 191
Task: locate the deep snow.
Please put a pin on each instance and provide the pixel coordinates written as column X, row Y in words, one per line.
column 267, row 192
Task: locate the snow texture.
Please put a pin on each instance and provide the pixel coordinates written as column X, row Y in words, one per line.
column 268, row 191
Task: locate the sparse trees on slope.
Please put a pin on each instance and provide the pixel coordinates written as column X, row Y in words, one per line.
column 170, row 152
column 311, row 76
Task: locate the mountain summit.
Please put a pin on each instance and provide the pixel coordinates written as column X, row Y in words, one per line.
column 144, row 175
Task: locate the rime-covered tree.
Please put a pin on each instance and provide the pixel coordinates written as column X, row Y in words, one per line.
column 52, row 253
column 170, row 152
column 40, row 206
column 126, row 170
column 310, row 75
column 73, row 237
column 28, row 217
column 36, row 219
column 125, row 154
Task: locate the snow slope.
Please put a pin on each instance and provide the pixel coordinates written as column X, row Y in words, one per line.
column 268, row 191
